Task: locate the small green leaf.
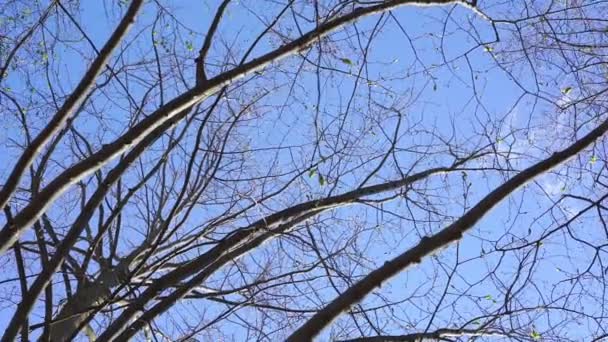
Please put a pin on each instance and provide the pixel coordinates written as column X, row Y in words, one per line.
column 189, row 45
column 489, row 297
column 346, row 61
column 567, row 90
column 488, row 48
column 593, row 159
column 321, row 180
column 312, row 172
column 535, row 335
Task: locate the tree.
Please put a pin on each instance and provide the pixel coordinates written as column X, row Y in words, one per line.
column 263, row 170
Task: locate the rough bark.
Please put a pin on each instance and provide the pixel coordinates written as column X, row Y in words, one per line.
column 77, row 309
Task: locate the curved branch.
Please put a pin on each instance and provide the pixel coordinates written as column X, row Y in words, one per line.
column 133, row 136
column 252, row 236
column 62, row 251
column 75, row 99
column 443, row 238
column 437, row 335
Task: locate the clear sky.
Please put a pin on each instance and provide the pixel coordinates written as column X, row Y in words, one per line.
column 435, row 86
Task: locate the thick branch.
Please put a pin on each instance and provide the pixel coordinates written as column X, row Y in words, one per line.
column 76, row 229
column 437, row 335
column 164, row 304
column 74, row 101
column 256, row 232
column 168, row 112
column 201, row 76
column 428, row 245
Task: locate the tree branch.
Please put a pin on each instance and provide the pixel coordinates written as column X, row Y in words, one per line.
column 59, row 119
column 430, row 244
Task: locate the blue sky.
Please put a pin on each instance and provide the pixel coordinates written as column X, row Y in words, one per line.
column 429, row 94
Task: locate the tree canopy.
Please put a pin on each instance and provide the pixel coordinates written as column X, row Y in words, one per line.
column 346, row 170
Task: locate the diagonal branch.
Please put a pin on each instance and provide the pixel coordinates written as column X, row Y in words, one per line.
column 242, row 241
column 23, row 39
column 437, row 335
column 24, row 219
column 74, row 101
column 201, row 76
column 443, row 238
column 62, row 251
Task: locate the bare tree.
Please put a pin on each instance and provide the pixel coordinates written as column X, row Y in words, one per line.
column 258, row 170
